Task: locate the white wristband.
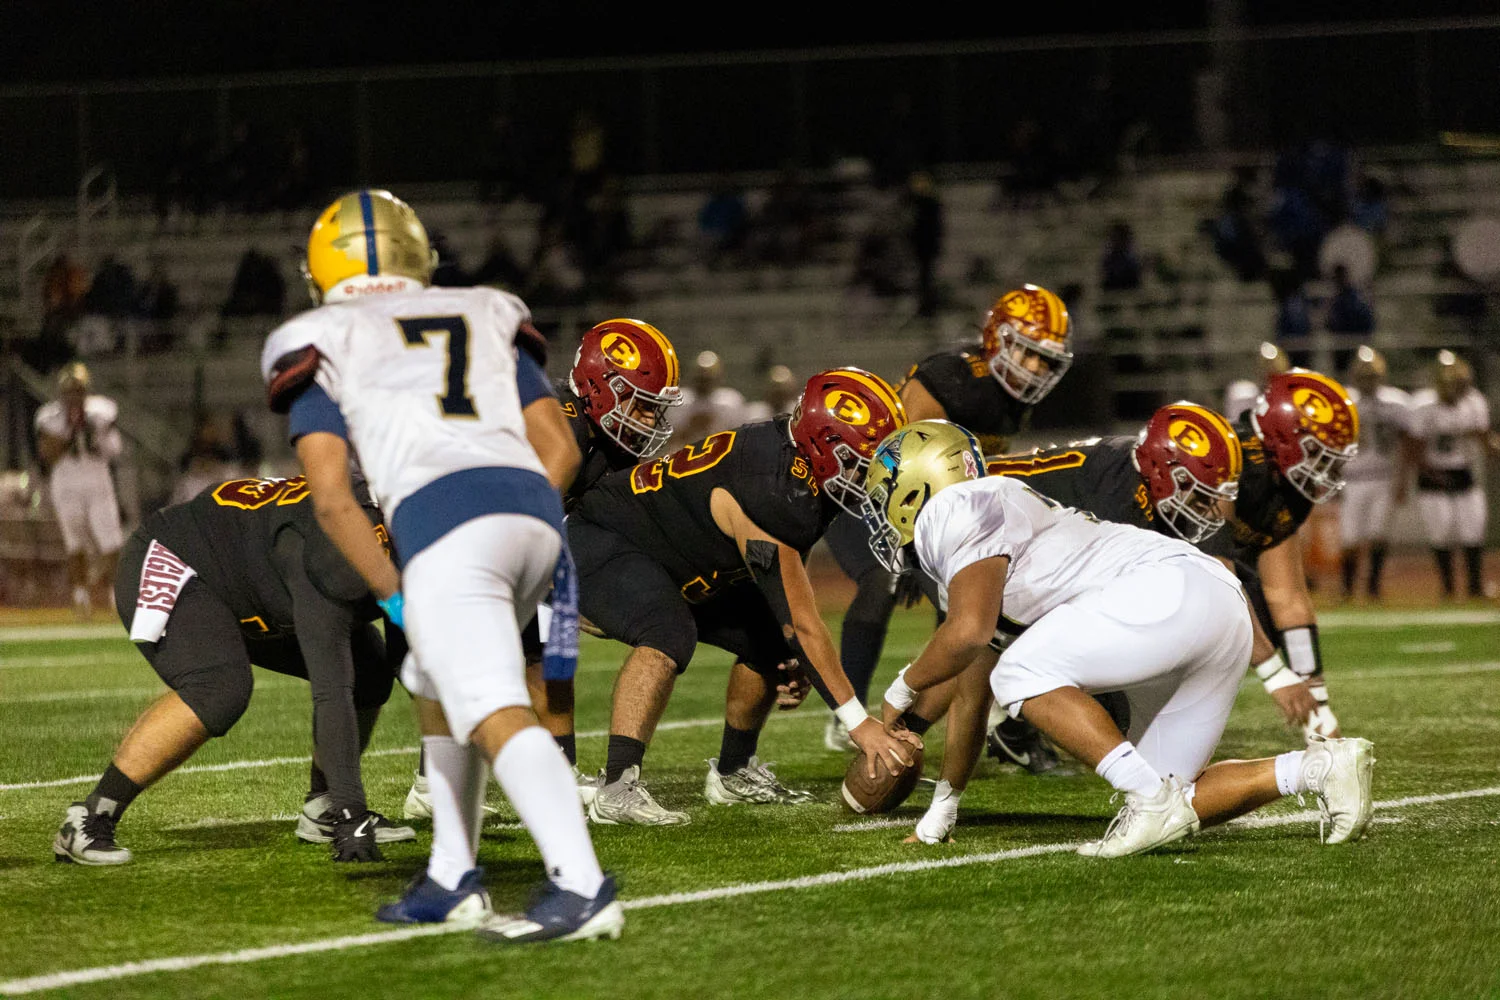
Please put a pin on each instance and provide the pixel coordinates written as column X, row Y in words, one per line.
column 900, row 695
column 851, row 713
column 1275, row 675
column 1268, row 667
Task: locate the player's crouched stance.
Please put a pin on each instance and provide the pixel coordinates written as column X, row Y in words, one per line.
column 1093, row 607
column 441, row 394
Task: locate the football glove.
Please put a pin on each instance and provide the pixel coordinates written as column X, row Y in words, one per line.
column 354, row 837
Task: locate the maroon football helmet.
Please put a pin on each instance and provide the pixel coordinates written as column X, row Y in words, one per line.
column 1309, row 428
column 842, row 415
column 1189, row 458
column 625, row 375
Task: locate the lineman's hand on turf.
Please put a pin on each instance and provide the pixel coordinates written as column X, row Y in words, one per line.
column 907, row 588
column 885, row 750
column 354, row 839
column 792, row 691
column 1296, row 703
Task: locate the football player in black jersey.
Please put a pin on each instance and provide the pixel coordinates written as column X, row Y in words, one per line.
column 625, row 377
column 1297, row 438
column 989, row 389
column 242, row 574
column 707, row 545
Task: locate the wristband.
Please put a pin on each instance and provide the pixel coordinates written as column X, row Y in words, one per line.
column 851, row 713
column 1274, row 674
column 900, row 695
column 394, row 608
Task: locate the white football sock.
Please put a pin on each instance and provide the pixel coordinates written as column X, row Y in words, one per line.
column 1289, row 773
column 539, row 783
column 451, row 783
column 1125, row 769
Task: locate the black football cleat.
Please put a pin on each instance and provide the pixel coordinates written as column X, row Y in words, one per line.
column 1022, row 744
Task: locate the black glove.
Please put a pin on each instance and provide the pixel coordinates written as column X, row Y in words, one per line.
column 354, row 837
column 908, row 587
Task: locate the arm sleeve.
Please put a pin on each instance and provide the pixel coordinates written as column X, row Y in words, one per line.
column 531, row 381
column 323, row 629
column 314, row 410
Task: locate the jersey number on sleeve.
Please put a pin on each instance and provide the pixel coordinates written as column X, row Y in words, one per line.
column 456, row 402
column 689, row 461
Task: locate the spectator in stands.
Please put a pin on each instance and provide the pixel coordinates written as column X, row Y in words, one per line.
column 64, row 286
column 1120, row 264
column 1370, row 211
column 1297, row 226
column 788, row 227
column 606, row 236
column 925, row 235
column 258, row 288
column 114, row 292
column 1293, row 313
column 723, row 223
column 76, row 441
column 1349, row 311
column 1236, row 231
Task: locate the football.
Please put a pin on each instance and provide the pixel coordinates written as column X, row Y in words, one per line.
column 881, row 794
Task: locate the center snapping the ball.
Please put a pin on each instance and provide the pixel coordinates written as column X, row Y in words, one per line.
column 864, row 795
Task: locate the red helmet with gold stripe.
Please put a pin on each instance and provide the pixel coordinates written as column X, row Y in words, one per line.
column 842, row 415
column 1189, row 457
column 625, row 375
column 1309, row 426
column 1026, row 341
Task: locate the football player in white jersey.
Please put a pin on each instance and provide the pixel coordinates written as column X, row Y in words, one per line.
column 1451, row 428
column 441, row 395
column 1371, row 476
column 1241, row 394
column 1084, row 607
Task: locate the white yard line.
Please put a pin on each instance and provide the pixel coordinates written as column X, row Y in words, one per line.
column 58, row 633
column 73, row 661
column 1421, row 648
column 239, row 765
column 1407, row 619
column 1336, row 676
column 105, row 973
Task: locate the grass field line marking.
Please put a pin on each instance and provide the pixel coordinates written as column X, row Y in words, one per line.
column 1418, row 670
column 89, row 694
column 239, row 765
column 1407, row 619
column 60, row 633
column 1443, row 646
column 74, row 661
column 57, row 980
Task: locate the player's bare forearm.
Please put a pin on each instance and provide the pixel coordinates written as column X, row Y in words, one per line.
column 1285, row 583
column 811, row 632
column 552, row 439
column 325, row 462
column 921, row 404
column 974, row 601
column 967, row 719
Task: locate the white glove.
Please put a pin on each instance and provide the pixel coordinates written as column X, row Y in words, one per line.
column 941, row 816
column 1322, row 721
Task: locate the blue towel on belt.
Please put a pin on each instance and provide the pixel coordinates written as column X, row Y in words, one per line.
column 560, row 654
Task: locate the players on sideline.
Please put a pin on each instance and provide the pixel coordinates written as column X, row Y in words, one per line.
column 707, row 545
column 1375, row 474
column 240, row 575
column 1451, row 430
column 990, row 389
column 1093, row 607
column 441, row 395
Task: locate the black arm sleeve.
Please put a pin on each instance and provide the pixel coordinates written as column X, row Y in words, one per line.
column 323, row 630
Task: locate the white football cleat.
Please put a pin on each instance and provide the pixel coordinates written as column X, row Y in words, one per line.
column 1146, row 822
column 1338, row 772
column 87, row 838
column 755, row 783
column 418, row 799
column 588, row 786
column 626, row 801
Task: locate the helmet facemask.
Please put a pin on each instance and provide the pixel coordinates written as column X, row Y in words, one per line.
column 1194, row 508
column 638, row 421
column 885, row 539
column 1319, row 476
column 1027, row 368
column 846, row 487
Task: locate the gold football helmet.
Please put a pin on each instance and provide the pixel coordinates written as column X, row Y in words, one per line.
column 909, row 467
column 1454, row 377
column 369, row 235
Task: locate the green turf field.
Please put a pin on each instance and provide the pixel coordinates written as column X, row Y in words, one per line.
column 222, row 900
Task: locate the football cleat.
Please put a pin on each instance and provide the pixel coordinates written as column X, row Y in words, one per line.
column 87, row 838
column 1020, row 743
column 588, row 786
column 627, row 802
column 426, row 902
column 555, row 914
column 418, row 799
column 316, row 824
column 754, row 783
column 836, row 736
column 1146, row 822
column 1338, row 772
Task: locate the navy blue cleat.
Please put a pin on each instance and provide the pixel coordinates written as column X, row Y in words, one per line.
column 555, row 914
column 426, row 902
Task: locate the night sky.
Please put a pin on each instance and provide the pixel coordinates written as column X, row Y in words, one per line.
column 56, row 40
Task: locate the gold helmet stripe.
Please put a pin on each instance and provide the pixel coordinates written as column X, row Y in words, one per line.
column 881, row 388
column 367, row 215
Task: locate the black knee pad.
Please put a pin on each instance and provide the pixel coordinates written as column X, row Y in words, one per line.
column 219, row 701
column 675, row 639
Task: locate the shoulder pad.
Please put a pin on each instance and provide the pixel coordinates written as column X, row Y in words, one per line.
column 290, row 374
column 530, row 340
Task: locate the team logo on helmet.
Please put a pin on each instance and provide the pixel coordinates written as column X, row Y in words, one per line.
column 1034, row 306
column 1313, row 404
column 847, row 407
column 971, row 466
column 1189, row 437
column 621, row 351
